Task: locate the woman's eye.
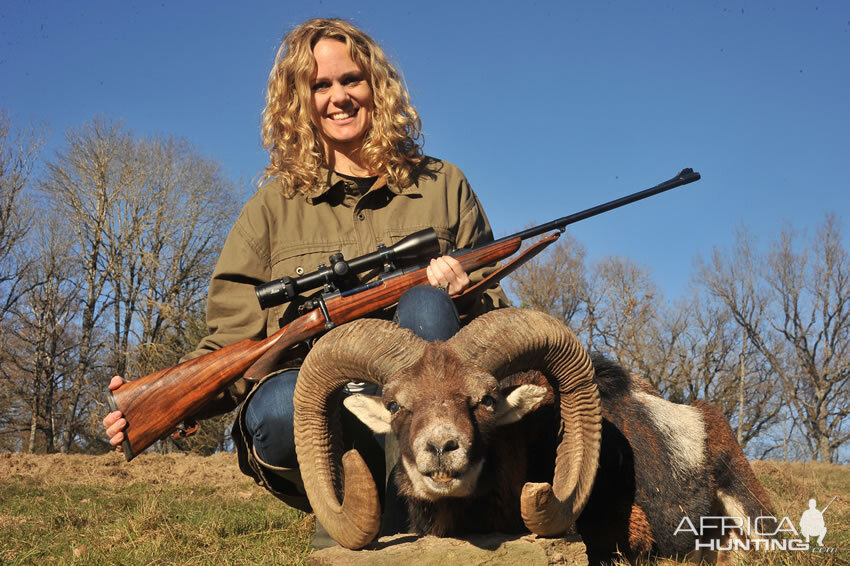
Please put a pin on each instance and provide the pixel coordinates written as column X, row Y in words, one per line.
column 488, row 401
column 320, row 86
column 393, row 407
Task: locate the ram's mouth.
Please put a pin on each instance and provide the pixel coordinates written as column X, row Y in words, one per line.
column 443, row 483
column 441, row 477
column 456, row 483
column 432, row 484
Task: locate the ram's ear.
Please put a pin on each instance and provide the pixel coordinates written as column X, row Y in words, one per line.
column 370, row 410
column 518, row 403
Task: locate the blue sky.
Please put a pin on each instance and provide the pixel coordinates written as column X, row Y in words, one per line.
column 548, row 107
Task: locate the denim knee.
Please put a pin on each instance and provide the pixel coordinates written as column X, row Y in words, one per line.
column 269, row 417
column 429, row 312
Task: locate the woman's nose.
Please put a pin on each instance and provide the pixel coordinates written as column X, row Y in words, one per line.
column 338, row 94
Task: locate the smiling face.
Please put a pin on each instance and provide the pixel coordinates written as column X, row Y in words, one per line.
column 341, row 98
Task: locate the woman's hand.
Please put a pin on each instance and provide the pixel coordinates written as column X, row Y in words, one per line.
column 115, row 422
column 445, row 272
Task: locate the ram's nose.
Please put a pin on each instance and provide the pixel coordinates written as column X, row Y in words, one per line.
column 441, row 447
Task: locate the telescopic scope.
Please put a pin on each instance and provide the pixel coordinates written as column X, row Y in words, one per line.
column 415, row 247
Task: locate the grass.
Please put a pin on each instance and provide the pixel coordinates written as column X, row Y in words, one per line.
column 68, row 521
column 191, row 510
column 791, row 485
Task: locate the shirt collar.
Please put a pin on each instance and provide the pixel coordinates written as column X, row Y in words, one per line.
column 333, row 180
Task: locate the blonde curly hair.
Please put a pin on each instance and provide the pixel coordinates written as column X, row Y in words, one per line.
column 391, row 145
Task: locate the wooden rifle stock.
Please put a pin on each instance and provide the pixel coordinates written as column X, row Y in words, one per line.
column 156, row 404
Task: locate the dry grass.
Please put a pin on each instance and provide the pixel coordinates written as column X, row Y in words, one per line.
column 791, row 485
column 179, row 509
column 155, row 510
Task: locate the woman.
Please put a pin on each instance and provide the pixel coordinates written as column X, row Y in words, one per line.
column 346, row 173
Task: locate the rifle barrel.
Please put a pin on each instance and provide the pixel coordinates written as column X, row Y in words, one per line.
column 684, row 177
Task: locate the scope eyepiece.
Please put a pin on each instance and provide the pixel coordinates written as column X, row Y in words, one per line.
column 270, row 294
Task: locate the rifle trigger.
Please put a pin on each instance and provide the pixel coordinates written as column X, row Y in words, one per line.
column 185, row 430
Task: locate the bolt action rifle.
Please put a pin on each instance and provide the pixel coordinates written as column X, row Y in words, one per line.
column 157, row 404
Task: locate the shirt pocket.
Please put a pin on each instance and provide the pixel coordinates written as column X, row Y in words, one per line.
column 445, row 236
column 294, row 262
column 304, row 258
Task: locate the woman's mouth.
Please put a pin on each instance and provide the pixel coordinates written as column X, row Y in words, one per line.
column 343, row 115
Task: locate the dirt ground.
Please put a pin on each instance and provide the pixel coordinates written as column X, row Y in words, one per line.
column 218, row 471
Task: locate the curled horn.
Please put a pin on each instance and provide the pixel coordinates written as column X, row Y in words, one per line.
column 507, row 341
column 363, row 350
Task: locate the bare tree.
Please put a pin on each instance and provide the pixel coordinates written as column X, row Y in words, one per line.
column 163, row 263
column 47, row 333
column 717, row 363
column 85, row 183
column 42, row 343
column 554, row 282
column 794, row 304
column 148, row 218
column 624, row 317
column 19, row 150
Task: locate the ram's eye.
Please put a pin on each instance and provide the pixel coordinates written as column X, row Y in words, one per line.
column 487, row 401
column 393, row 407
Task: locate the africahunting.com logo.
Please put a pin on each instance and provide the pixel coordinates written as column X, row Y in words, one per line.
column 724, row 533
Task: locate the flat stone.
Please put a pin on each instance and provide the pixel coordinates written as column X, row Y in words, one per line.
column 475, row 550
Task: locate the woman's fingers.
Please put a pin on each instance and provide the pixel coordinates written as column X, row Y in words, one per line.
column 114, row 422
column 447, row 273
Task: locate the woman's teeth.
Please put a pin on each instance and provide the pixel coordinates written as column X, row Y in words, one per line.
column 342, row 115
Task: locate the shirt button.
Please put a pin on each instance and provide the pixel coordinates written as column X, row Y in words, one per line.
column 361, row 217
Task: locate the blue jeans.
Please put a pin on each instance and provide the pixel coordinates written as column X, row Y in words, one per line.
column 427, row 311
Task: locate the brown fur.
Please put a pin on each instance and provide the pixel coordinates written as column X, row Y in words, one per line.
column 443, row 375
column 494, row 507
column 513, row 454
